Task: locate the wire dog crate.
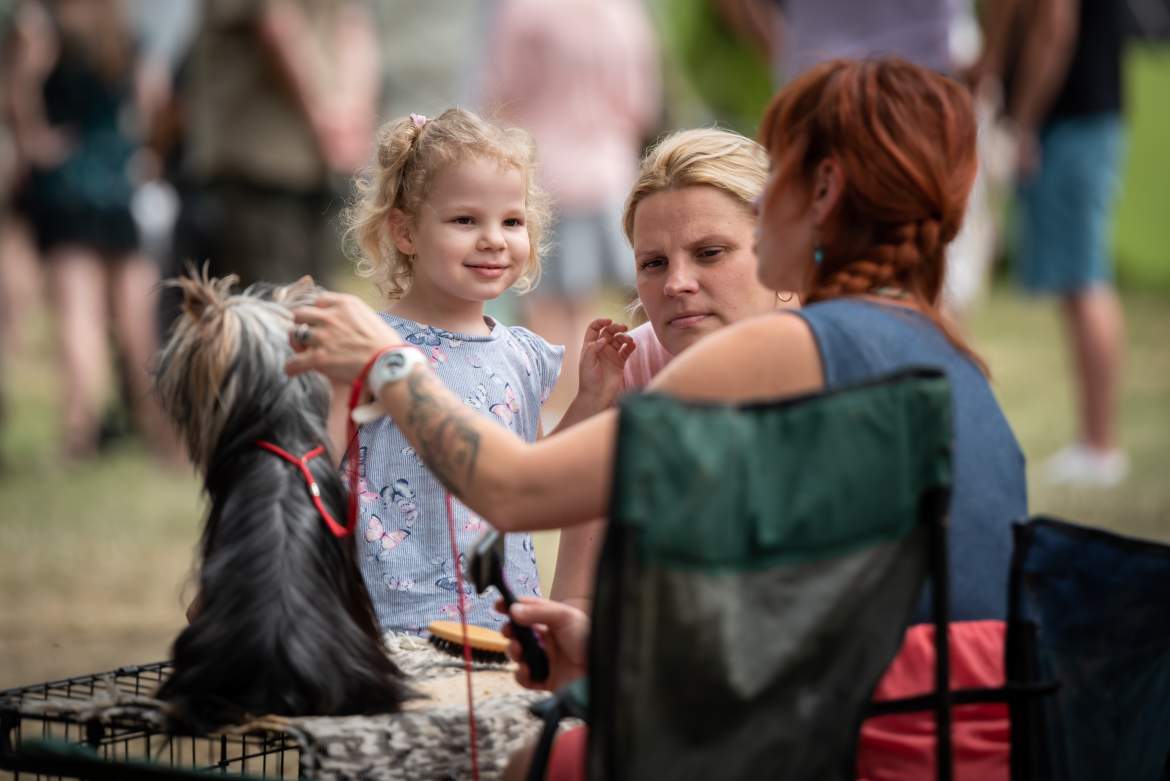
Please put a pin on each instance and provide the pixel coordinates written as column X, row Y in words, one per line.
column 47, row 732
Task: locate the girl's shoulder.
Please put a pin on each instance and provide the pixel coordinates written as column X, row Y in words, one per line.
column 530, row 338
column 535, row 344
column 541, row 358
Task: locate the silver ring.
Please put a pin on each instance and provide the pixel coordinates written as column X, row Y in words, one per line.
column 303, row 335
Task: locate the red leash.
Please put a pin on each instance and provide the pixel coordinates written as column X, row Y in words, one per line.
column 352, row 453
column 351, row 460
column 466, row 641
column 351, row 463
column 302, row 463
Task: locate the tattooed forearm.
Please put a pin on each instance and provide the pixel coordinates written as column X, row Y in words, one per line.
column 444, row 432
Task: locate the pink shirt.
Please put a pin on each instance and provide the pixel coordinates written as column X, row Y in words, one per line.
column 582, row 76
column 648, row 358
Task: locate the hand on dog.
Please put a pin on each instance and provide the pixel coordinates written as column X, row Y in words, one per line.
column 564, row 633
column 344, row 334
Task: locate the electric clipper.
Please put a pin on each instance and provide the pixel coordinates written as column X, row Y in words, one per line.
column 485, row 567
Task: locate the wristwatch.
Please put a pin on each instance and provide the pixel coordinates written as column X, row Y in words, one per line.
column 392, row 366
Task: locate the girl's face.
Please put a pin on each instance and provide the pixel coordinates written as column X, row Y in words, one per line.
column 696, row 269
column 469, row 237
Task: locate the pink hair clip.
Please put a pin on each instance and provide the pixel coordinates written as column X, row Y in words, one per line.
column 419, row 120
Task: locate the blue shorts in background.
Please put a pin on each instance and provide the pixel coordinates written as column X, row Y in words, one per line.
column 1067, row 207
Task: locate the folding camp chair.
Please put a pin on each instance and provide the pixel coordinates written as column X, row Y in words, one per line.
column 1087, row 656
column 1090, row 612
column 761, row 564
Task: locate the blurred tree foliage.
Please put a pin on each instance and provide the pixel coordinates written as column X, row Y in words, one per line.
column 730, row 78
column 1142, row 232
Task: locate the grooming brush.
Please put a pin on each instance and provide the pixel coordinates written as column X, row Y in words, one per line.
column 487, row 645
column 485, row 567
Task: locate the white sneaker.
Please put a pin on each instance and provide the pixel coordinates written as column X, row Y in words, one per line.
column 1082, row 465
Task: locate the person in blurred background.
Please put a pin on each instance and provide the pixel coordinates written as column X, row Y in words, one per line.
column 814, row 31
column 77, row 127
column 583, row 77
column 166, row 30
column 1060, row 65
column 938, row 34
column 432, row 54
column 15, row 264
column 280, row 105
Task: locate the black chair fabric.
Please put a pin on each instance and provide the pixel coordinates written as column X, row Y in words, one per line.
column 1091, row 614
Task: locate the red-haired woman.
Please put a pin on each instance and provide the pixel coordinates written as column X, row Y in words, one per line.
column 872, row 162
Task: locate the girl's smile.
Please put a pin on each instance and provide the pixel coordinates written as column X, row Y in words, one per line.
column 487, row 271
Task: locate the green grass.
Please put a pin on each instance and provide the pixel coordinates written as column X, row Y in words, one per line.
column 1022, row 340
column 95, row 559
column 1142, row 233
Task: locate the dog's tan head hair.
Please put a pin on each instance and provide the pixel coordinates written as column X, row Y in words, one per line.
column 216, row 328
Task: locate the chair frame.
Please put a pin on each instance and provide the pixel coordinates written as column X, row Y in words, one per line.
column 942, row 699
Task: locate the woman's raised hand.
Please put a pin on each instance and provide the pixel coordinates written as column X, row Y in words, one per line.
column 337, row 336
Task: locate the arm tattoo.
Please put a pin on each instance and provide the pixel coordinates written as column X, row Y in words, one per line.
column 445, row 434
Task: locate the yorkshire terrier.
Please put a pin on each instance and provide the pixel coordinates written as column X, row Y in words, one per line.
column 284, row 623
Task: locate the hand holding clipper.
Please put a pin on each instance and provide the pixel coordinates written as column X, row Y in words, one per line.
column 485, row 567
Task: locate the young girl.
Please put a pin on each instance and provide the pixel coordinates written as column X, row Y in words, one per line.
column 448, row 219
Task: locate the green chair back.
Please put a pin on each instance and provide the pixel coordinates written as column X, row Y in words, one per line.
column 761, row 565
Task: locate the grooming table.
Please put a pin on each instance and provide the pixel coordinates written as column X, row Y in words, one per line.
column 430, row 738
column 114, row 716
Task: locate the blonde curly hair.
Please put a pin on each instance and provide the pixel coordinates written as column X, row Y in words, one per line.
column 410, row 153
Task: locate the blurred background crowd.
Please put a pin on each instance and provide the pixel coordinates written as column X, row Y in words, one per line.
column 138, row 136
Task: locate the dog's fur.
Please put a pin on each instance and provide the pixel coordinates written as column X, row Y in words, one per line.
column 284, row 623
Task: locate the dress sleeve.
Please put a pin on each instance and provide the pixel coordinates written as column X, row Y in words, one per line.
column 546, row 359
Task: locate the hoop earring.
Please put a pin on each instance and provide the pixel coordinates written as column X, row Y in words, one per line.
column 784, row 300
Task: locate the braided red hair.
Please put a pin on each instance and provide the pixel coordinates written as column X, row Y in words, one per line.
column 903, row 138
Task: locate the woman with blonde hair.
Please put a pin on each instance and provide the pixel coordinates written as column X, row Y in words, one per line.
column 690, row 220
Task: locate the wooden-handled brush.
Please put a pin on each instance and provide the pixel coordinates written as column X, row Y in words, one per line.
column 487, row 645
column 485, row 567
